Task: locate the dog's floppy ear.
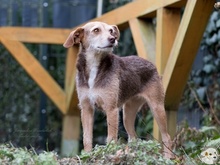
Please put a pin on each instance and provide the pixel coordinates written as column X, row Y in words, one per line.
column 75, row 37
column 116, row 32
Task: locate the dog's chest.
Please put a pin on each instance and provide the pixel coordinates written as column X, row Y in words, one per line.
column 92, row 70
column 92, row 75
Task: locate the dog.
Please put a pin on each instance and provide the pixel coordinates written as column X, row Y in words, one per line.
column 109, row 82
column 209, row 156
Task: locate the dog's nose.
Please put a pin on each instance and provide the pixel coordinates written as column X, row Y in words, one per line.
column 111, row 40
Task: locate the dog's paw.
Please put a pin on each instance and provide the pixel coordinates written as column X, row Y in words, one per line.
column 169, row 155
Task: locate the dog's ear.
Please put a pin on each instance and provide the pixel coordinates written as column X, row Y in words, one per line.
column 75, row 37
column 116, row 32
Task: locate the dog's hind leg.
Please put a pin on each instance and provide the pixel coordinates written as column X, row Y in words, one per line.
column 154, row 96
column 130, row 110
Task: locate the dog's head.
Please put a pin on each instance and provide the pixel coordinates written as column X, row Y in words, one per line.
column 96, row 36
column 209, row 156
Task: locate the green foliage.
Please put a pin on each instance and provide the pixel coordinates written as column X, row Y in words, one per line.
column 190, row 142
column 135, row 152
column 20, row 156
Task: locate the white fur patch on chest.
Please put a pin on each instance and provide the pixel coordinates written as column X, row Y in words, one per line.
column 93, row 62
column 92, row 76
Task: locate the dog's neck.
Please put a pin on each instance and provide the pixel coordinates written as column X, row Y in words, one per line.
column 93, row 60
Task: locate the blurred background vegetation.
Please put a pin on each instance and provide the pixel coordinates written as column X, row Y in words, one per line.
column 28, row 118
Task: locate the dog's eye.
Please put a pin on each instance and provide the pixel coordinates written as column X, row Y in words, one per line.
column 111, row 31
column 96, row 30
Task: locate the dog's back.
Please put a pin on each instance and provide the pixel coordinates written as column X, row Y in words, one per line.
column 132, row 73
column 135, row 74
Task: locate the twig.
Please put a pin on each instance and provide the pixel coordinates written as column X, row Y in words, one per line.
column 196, row 97
column 187, row 156
column 212, row 110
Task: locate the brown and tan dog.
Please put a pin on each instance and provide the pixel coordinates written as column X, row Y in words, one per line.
column 109, row 82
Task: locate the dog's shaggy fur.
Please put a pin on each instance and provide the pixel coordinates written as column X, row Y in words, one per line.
column 109, row 82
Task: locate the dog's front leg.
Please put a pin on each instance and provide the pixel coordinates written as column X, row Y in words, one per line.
column 112, row 122
column 87, row 116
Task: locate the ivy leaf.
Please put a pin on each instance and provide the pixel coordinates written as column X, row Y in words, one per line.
column 213, row 39
column 218, row 35
column 211, row 26
column 201, row 92
column 207, row 58
column 217, row 62
column 218, row 52
column 189, row 145
column 218, row 23
column 208, row 68
column 207, row 128
column 215, row 142
column 214, row 16
column 197, row 80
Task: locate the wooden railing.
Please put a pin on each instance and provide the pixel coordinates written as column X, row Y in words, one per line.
column 172, row 46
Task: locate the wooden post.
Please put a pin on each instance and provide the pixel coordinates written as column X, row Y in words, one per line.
column 168, row 21
column 71, row 121
column 70, row 135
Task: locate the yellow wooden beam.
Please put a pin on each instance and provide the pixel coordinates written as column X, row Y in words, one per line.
column 70, row 135
column 35, row 35
column 144, row 36
column 168, row 20
column 71, row 121
column 37, row 72
column 137, row 9
column 120, row 16
column 72, row 101
column 184, row 49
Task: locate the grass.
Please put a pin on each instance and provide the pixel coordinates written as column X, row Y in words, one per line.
column 21, row 156
column 136, row 152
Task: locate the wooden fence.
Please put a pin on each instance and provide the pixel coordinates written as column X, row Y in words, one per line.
column 172, row 46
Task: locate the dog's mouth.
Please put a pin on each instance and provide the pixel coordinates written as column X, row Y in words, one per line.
column 105, row 47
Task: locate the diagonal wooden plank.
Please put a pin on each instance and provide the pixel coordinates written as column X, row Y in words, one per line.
column 72, row 101
column 119, row 16
column 168, row 20
column 37, row 72
column 184, row 49
column 137, row 9
column 144, row 36
column 35, row 35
